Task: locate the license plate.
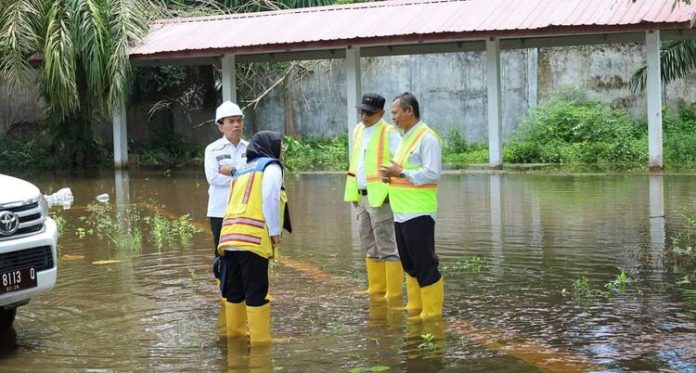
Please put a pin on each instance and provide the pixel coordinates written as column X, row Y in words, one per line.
column 17, row 280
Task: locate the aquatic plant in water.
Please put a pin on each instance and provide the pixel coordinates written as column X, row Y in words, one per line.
column 473, row 265
column 428, row 343
column 619, row 284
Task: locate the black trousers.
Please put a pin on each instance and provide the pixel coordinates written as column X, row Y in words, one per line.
column 415, row 240
column 215, row 228
column 246, row 278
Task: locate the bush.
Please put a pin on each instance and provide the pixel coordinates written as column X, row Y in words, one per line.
column 313, row 154
column 576, row 131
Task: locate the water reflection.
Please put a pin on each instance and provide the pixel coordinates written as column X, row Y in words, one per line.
column 495, row 183
column 657, row 221
column 122, row 187
column 8, row 341
column 535, row 234
column 242, row 358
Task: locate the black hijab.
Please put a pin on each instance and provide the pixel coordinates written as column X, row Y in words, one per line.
column 264, row 144
column 268, row 144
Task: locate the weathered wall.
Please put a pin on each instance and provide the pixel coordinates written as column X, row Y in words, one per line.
column 20, row 105
column 451, row 89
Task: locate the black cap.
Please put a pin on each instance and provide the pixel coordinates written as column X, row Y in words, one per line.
column 371, row 102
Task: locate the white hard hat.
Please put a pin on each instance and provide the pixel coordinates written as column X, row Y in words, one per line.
column 227, row 109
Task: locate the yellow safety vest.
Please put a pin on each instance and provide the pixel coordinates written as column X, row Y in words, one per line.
column 405, row 197
column 376, row 154
column 244, row 227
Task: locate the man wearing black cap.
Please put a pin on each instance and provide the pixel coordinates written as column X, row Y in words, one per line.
column 374, row 144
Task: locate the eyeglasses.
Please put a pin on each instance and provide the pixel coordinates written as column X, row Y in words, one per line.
column 365, row 112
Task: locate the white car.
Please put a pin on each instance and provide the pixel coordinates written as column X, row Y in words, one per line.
column 28, row 237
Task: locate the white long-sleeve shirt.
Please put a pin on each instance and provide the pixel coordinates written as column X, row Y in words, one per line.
column 428, row 155
column 368, row 132
column 270, row 194
column 221, row 152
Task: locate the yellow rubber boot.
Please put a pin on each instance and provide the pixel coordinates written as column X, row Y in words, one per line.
column 376, row 276
column 394, row 279
column 235, row 319
column 433, row 296
column 413, row 290
column 259, row 323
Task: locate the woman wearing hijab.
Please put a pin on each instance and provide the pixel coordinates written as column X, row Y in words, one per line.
column 251, row 231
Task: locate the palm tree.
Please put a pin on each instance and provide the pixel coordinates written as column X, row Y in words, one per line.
column 677, row 59
column 81, row 49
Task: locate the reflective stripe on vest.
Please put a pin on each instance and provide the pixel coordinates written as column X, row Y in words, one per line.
column 376, row 154
column 405, row 197
column 244, row 227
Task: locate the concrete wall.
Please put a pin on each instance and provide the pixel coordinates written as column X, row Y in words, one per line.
column 451, row 89
column 20, row 105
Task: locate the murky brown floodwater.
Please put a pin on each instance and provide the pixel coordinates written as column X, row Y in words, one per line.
column 157, row 310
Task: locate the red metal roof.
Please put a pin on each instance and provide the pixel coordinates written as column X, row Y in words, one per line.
column 403, row 21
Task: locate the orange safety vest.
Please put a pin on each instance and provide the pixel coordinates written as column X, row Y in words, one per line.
column 376, row 154
column 244, row 227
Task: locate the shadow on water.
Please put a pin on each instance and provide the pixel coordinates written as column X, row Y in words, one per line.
column 8, row 341
column 512, row 249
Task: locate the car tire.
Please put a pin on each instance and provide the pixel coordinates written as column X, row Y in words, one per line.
column 7, row 317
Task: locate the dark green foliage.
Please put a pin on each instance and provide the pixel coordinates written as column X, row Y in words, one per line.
column 572, row 131
column 168, row 151
column 316, row 154
column 680, row 136
column 455, row 142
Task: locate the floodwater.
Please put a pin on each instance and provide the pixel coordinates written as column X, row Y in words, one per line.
column 511, row 246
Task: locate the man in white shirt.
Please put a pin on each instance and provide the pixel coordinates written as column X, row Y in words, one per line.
column 222, row 158
column 413, row 177
column 374, row 144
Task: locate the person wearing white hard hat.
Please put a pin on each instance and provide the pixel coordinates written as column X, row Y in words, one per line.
column 222, row 158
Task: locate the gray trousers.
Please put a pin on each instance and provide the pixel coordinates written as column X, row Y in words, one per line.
column 377, row 231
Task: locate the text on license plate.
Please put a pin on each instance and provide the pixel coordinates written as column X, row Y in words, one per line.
column 16, row 280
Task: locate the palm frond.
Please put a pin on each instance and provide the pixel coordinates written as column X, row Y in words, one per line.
column 676, row 60
column 59, row 62
column 90, row 34
column 128, row 26
column 18, row 40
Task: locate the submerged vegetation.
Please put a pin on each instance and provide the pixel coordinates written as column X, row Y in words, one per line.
column 126, row 228
column 582, row 290
column 472, row 264
column 682, row 253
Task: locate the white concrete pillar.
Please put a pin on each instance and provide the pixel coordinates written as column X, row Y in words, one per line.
column 229, row 78
column 495, row 122
column 353, row 89
column 654, row 89
column 120, row 127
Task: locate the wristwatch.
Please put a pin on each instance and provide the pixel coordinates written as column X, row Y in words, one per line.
column 402, row 175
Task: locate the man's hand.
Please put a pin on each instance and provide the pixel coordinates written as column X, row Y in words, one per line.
column 226, row 170
column 275, row 240
column 392, row 171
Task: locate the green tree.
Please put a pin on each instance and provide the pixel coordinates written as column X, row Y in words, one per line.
column 80, row 49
